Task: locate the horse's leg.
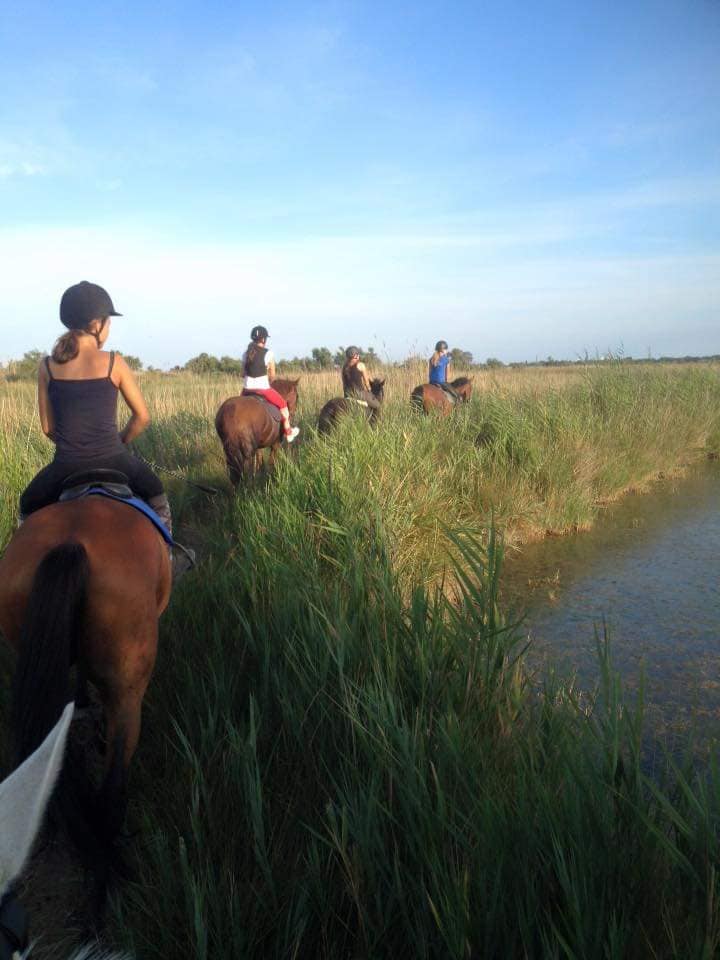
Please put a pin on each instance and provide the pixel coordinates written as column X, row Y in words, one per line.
column 273, row 454
column 123, row 687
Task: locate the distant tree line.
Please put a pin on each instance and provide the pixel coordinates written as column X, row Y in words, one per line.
column 322, row 358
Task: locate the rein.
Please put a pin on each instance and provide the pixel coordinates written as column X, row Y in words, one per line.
column 206, row 488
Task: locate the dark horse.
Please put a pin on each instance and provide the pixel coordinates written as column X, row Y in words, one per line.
column 429, row 396
column 340, row 405
column 245, row 426
column 84, row 582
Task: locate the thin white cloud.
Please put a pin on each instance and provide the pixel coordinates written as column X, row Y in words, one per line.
column 20, row 160
column 180, row 299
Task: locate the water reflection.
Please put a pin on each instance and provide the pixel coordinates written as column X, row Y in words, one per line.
column 650, row 569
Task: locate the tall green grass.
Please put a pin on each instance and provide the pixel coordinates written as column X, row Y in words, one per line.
column 538, row 455
column 343, row 754
column 330, row 768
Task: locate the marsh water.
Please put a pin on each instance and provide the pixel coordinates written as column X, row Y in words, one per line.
column 649, row 573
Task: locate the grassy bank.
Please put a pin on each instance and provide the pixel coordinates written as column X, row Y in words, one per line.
column 337, row 761
column 541, row 451
column 329, row 769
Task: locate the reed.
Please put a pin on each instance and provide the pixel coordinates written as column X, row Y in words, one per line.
column 343, row 758
column 542, row 450
column 332, row 769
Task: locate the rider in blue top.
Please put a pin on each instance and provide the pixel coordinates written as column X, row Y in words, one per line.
column 439, row 363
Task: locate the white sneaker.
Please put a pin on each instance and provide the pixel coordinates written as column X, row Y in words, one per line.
column 293, row 433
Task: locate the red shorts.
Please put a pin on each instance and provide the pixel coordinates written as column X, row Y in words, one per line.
column 272, row 396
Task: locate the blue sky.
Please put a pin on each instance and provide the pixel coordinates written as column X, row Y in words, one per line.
column 521, row 179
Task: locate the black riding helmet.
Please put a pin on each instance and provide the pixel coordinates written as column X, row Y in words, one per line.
column 441, row 345
column 83, row 303
column 351, row 352
column 259, row 333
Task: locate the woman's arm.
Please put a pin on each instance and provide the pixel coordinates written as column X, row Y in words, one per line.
column 271, row 370
column 44, row 408
column 128, row 387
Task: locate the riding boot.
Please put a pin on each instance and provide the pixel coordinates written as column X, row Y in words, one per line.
column 161, row 506
column 182, row 558
column 290, row 432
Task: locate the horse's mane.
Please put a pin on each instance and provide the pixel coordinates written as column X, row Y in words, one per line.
column 461, row 382
column 285, row 387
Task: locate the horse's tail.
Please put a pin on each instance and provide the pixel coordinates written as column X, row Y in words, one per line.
column 416, row 397
column 54, row 616
column 54, row 619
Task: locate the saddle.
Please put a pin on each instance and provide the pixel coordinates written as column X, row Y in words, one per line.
column 113, row 485
column 78, row 485
column 270, row 407
column 452, row 396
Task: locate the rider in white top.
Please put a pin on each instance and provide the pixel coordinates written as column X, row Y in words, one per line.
column 261, row 382
column 258, row 371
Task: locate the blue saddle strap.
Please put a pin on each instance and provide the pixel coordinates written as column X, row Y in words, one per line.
column 138, row 504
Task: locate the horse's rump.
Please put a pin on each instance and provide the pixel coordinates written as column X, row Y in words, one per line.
column 84, row 581
column 248, row 423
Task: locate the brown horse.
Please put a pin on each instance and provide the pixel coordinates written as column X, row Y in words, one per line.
column 84, row 582
column 245, row 427
column 429, row 396
column 339, row 406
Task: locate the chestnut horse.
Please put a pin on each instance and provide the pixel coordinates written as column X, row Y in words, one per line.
column 429, row 396
column 341, row 405
column 84, row 582
column 245, row 427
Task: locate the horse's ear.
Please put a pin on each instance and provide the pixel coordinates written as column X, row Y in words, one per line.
column 296, row 381
column 383, row 382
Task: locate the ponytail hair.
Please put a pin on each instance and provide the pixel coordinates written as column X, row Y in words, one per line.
column 434, row 358
column 66, row 347
column 250, row 354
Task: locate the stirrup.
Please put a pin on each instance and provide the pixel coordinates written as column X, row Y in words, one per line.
column 182, row 560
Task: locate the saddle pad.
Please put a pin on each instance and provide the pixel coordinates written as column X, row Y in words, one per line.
column 271, row 408
column 138, row 504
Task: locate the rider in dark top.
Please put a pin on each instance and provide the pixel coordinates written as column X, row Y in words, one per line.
column 78, row 388
column 356, row 383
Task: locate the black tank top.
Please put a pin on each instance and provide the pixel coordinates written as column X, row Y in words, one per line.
column 352, row 380
column 85, row 417
column 257, row 366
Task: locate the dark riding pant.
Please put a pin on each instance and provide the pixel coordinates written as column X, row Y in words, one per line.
column 448, row 389
column 47, row 485
column 370, row 399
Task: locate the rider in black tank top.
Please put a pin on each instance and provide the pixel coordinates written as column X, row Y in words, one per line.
column 355, row 379
column 79, row 413
column 85, row 417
